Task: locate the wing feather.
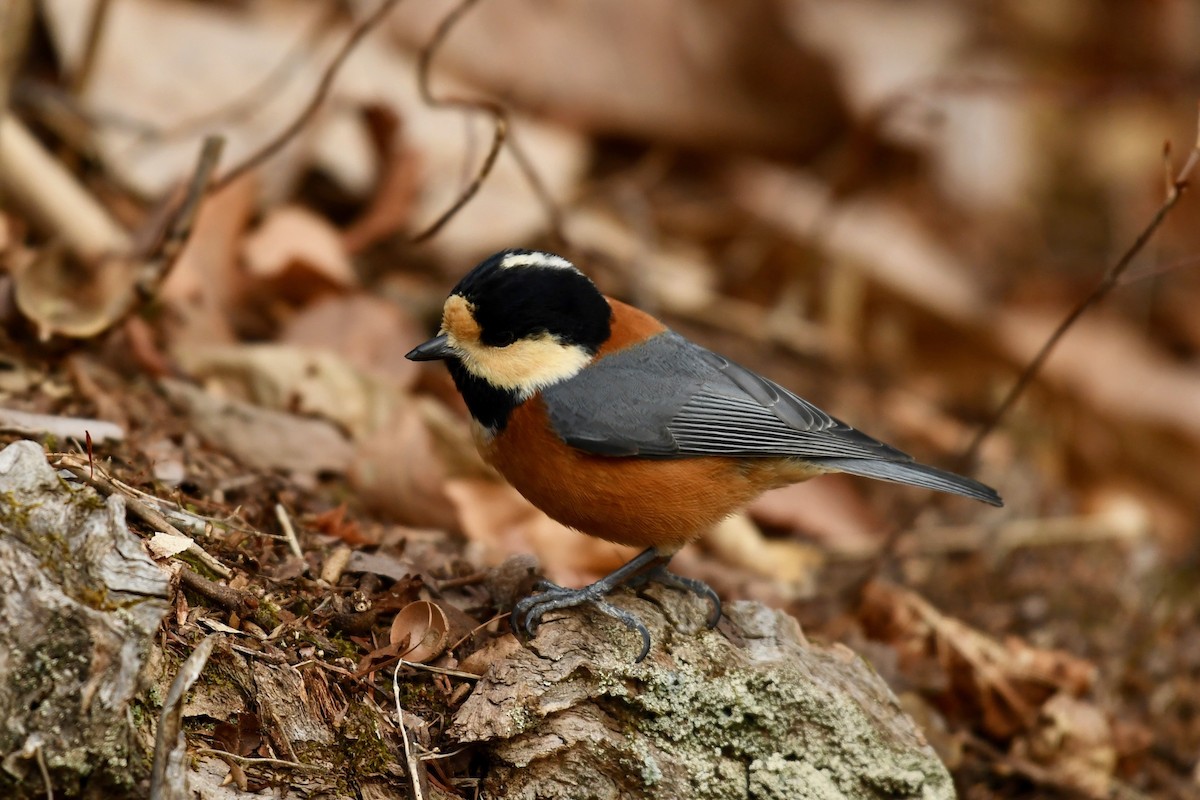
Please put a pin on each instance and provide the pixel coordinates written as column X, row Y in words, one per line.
column 670, row 398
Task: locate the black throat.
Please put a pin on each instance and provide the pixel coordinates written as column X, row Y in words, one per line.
column 489, row 405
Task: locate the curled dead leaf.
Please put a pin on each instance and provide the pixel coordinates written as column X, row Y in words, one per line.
column 420, row 632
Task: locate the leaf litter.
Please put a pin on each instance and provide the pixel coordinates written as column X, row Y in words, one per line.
column 890, row 280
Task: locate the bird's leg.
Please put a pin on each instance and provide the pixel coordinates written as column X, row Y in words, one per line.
column 649, row 565
column 528, row 613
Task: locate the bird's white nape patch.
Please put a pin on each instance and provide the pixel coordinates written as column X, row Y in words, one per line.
column 536, row 259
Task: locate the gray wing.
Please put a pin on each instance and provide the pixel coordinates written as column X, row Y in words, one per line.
column 671, row 398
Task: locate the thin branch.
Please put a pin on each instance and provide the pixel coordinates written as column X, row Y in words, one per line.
column 91, row 47
column 1175, row 188
column 250, row 101
column 102, row 482
column 499, row 118
column 170, row 722
column 256, row 159
column 410, row 759
column 248, row 761
column 180, row 222
column 289, row 532
column 1107, row 283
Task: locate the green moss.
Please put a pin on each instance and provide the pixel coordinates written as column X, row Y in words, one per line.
column 365, row 751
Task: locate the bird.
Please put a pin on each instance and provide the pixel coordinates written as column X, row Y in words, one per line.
column 615, row 425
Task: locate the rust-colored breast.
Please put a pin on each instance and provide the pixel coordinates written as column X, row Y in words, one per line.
column 632, row 501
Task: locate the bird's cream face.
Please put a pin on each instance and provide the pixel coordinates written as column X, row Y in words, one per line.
column 524, row 366
column 520, row 321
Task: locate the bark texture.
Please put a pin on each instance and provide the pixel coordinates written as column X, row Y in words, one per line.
column 80, row 603
column 749, row 710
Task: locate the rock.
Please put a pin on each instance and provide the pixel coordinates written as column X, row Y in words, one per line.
column 80, row 604
column 749, row 710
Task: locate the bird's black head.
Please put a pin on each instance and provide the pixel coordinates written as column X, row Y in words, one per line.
column 519, row 321
column 519, row 294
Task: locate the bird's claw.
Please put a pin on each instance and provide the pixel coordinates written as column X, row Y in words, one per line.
column 527, row 614
column 697, row 587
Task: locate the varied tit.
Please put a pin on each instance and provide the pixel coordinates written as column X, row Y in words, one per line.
column 618, row 427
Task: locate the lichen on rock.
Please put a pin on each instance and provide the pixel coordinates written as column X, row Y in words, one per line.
column 749, row 711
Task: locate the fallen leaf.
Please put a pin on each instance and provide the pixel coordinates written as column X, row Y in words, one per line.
column 368, row 332
column 298, row 255
column 1074, row 741
column 166, row 545
column 262, row 438
column 400, row 470
column 502, row 523
column 420, row 632
column 998, row 687
column 829, row 511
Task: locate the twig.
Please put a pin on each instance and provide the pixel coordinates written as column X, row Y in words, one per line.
column 453, row 673
column 91, row 46
column 1112, row 278
column 181, row 221
column 410, row 758
column 254, row 160
column 289, row 532
column 28, row 423
column 477, row 628
column 499, row 118
column 464, row 580
column 259, row 761
column 54, row 198
column 41, row 762
column 151, row 516
column 170, row 722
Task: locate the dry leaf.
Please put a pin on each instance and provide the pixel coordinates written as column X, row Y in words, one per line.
column 166, row 545
column 205, row 285
column 830, row 511
column 420, row 632
column 401, row 469
column 501, row 522
column 727, row 74
column 298, row 254
column 1074, row 741
column 999, row 687
column 261, row 438
column 366, row 331
column 285, row 378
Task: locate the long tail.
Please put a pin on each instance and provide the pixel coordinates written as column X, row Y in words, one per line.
column 913, row 474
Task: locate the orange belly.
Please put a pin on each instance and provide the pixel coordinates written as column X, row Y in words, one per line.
column 633, row 501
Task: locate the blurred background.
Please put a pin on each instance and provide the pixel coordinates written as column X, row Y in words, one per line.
column 885, row 206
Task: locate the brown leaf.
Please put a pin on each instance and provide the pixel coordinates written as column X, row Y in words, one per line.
column 401, row 470
column 496, row 517
column 420, row 632
column 830, row 511
column 395, row 194
column 1074, row 741
column 999, row 687
column 261, row 438
column 205, row 283
column 368, row 332
column 298, row 254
